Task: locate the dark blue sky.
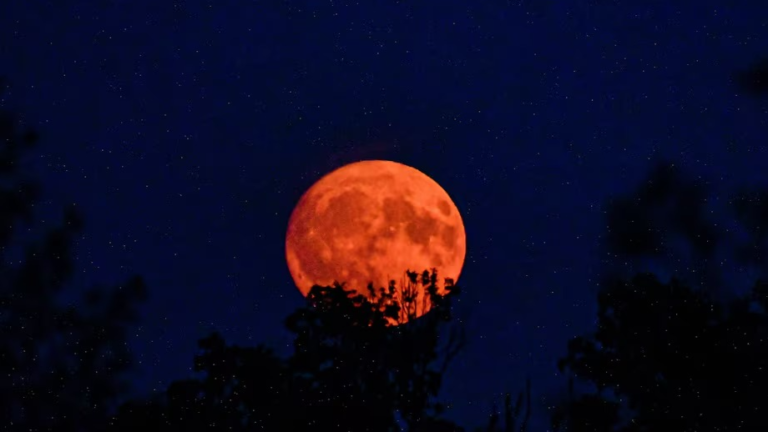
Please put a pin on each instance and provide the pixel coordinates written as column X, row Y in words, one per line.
column 186, row 134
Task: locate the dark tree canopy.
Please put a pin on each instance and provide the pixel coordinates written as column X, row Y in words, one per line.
column 60, row 366
column 679, row 359
column 673, row 355
column 349, row 371
column 667, row 206
column 676, row 354
column 751, row 210
column 516, row 414
column 664, row 226
column 754, row 80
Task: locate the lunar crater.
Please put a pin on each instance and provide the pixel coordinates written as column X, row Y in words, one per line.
column 444, row 207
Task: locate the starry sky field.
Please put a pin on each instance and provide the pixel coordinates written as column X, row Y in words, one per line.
column 187, row 131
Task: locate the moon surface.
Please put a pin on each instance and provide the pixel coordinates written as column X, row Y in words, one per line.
column 370, row 221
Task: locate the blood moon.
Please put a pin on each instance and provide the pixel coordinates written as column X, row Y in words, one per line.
column 370, row 221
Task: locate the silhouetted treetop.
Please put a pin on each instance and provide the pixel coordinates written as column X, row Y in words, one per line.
column 667, row 226
column 350, row 370
column 667, row 205
column 751, row 209
column 61, row 366
column 674, row 355
column 678, row 358
column 754, row 80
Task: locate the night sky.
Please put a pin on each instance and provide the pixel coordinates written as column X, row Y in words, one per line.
column 187, row 132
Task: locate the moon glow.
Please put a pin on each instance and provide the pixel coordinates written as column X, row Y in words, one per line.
column 370, row 221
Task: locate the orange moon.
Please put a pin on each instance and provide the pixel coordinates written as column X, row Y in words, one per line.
column 370, row 221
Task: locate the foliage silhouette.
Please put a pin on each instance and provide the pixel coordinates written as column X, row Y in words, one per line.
column 667, row 204
column 587, row 412
column 663, row 226
column 671, row 355
column 60, row 366
column 754, row 80
column 751, row 211
column 514, row 415
column 681, row 360
column 350, row 370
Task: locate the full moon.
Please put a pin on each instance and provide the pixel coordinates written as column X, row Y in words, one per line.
column 369, row 222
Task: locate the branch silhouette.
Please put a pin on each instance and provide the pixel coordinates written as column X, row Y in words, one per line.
column 672, row 355
column 754, row 80
column 350, row 369
column 62, row 366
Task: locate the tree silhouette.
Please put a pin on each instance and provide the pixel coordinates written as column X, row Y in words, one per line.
column 587, row 412
column 678, row 358
column 670, row 355
column 350, row 370
column 754, row 80
column 515, row 419
column 751, row 211
column 663, row 226
column 60, row 365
